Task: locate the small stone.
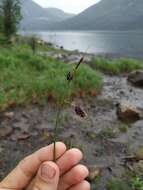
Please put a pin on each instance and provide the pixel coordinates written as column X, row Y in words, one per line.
column 23, row 136
column 58, row 56
column 94, row 172
column 5, row 131
column 22, row 125
column 128, row 113
column 80, row 112
column 136, row 78
column 9, row 115
column 18, row 136
column 138, row 166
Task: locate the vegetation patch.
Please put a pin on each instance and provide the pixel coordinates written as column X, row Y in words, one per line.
column 109, row 132
column 117, row 184
column 116, row 66
column 26, row 77
column 134, row 183
column 123, row 128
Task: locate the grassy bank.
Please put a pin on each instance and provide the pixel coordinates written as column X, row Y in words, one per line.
column 134, row 183
column 116, row 66
column 26, row 77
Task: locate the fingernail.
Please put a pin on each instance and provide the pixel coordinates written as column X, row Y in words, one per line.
column 48, row 172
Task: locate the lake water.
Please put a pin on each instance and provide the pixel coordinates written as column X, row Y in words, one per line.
column 98, row 42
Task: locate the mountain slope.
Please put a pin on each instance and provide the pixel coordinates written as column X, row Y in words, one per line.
column 36, row 17
column 107, row 15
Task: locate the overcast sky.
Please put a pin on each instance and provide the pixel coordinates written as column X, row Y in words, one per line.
column 73, row 6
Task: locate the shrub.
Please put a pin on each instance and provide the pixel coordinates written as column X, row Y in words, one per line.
column 116, row 66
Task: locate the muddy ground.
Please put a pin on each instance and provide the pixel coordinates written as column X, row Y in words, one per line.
column 99, row 136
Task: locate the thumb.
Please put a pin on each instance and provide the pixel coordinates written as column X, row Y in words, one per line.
column 47, row 177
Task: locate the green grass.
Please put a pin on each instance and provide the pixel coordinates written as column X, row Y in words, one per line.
column 123, row 128
column 2, row 40
column 118, row 184
column 26, row 78
column 135, row 183
column 116, row 66
column 109, row 132
column 40, row 45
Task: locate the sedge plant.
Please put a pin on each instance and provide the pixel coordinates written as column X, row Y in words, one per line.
column 65, row 100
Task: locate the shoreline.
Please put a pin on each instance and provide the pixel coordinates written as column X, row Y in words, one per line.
column 103, row 54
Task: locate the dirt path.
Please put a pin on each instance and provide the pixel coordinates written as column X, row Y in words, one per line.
column 103, row 144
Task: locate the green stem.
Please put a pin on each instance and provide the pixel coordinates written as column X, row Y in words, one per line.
column 59, row 109
column 55, row 131
column 57, row 120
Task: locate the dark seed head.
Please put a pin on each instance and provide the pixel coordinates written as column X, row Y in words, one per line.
column 80, row 61
column 80, row 112
column 69, row 76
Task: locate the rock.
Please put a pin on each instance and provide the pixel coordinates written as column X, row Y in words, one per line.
column 94, row 172
column 61, row 47
column 18, row 136
column 5, row 131
column 9, row 115
column 136, row 78
column 88, row 59
column 58, row 56
column 73, row 58
column 128, row 113
column 23, row 136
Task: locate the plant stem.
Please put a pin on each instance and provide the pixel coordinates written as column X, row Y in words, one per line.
column 55, row 132
column 61, row 105
column 56, row 125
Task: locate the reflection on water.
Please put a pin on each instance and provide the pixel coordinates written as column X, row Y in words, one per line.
column 112, row 42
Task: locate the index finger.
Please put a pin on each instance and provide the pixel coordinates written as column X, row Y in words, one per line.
column 27, row 168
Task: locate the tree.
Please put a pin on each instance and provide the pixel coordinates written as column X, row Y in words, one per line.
column 10, row 12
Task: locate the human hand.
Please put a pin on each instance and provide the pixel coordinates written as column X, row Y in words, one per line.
column 38, row 172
